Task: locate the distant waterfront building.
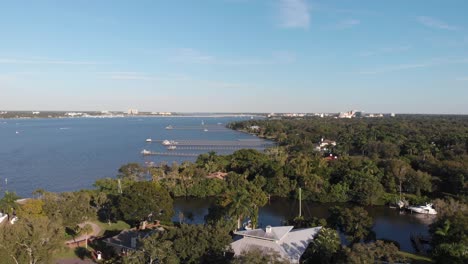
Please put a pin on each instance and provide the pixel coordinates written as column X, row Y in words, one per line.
column 162, row 113
column 288, row 243
column 349, row 114
column 132, row 111
column 392, row 114
column 254, row 128
column 73, row 114
column 35, row 112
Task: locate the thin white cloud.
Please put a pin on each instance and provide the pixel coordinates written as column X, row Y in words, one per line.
column 45, row 61
column 408, row 66
column 294, row 14
column 348, row 23
column 129, row 76
column 192, row 56
column 435, row 23
column 385, row 50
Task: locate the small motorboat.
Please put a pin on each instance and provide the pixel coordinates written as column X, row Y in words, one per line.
column 172, row 147
column 146, row 152
column 149, row 140
column 169, row 127
column 423, row 209
column 247, row 225
column 206, row 130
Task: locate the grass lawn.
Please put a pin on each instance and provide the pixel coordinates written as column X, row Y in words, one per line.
column 418, row 259
column 113, row 227
column 73, row 253
column 65, row 253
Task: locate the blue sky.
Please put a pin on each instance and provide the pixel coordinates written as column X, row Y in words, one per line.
column 235, row 55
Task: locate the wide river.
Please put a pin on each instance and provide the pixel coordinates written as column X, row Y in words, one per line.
column 70, row 154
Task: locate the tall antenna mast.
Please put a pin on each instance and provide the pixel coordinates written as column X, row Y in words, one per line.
column 120, row 186
column 300, row 203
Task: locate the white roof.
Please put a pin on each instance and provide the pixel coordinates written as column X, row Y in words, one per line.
column 277, row 233
column 289, row 244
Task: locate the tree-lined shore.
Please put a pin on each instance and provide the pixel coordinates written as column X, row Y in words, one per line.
column 425, row 158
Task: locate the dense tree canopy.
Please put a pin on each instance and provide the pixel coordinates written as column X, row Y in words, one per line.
column 145, row 200
column 30, row 240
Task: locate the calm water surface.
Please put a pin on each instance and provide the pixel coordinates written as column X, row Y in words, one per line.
column 70, row 154
column 388, row 223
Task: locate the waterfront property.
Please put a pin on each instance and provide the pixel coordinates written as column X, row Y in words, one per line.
column 289, row 243
column 127, row 240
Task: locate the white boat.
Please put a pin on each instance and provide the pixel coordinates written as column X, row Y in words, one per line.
column 423, row 209
column 149, row 140
column 168, row 143
column 247, row 225
column 17, row 132
column 145, row 152
column 172, row 147
column 169, row 127
column 206, row 130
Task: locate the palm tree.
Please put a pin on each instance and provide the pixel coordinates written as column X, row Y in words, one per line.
column 238, row 205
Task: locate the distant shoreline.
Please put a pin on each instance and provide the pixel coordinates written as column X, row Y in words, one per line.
column 127, row 116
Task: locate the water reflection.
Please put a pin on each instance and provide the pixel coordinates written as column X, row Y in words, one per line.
column 388, row 223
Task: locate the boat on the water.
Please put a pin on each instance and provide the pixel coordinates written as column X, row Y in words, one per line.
column 169, row 127
column 206, row 130
column 149, row 140
column 423, row 209
column 169, row 142
column 146, row 152
column 171, row 147
column 247, row 225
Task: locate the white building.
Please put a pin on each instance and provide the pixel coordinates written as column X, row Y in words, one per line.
column 324, row 144
column 349, row 114
column 73, row 114
column 132, row 111
column 289, row 243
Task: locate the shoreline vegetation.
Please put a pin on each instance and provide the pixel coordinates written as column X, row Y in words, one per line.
column 425, row 158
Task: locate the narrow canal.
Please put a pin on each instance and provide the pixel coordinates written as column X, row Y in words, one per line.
column 388, row 223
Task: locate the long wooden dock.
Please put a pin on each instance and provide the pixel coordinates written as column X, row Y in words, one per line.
column 217, row 147
column 219, row 143
column 171, row 153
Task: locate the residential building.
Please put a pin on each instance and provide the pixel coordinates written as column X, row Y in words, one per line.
column 288, row 243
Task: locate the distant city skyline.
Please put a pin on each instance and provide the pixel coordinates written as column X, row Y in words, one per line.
column 235, row 56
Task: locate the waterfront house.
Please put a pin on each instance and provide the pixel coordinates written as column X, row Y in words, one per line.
column 324, row 144
column 127, row 240
column 289, row 243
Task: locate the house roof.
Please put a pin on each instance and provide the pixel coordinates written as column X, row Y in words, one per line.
column 290, row 244
column 277, row 233
column 124, row 238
